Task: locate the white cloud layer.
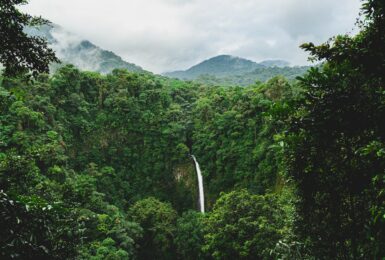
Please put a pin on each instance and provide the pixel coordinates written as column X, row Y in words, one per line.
column 165, row 35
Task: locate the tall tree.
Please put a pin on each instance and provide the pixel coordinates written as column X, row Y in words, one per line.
column 18, row 51
column 158, row 220
column 243, row 226
column 336, row 144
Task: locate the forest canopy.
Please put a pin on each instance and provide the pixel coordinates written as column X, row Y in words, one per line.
column 99, row 166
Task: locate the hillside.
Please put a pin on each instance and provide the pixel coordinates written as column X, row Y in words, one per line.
column 275, row 63
column 229, row 70
column 82, row 53
column 261, row 74
column 224, row 70
column 222, row 65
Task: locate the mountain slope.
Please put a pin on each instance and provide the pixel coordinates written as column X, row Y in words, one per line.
column 260, row 74
column 230, row 70
column 82, row 53
column 222, row 65
column 275, row 63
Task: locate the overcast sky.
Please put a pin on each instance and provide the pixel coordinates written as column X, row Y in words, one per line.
column 165, row 35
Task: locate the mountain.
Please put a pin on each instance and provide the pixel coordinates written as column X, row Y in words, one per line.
column 219, row 70
column 275, row 63
column 230, row 70
column 260, row 74
column 72, row 49
column 222, row 65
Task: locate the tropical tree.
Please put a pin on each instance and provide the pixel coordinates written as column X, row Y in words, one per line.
column 243, row 226
column 189, row 238
column 19, row 52
column 336, row 143
column 158, row 220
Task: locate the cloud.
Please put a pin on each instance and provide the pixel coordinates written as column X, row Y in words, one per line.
column 164, row 35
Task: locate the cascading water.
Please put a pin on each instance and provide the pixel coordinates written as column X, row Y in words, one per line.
column 200, row 185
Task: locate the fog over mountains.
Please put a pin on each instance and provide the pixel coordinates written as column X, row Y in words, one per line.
column 220, row 70
column 72, row 49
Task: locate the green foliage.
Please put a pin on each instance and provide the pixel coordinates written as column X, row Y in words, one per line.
column 189, row 237
column 233, row 136
column 110, row 226
column 261, row 74
column 107, row 250
column 158, row 220
column 98, row 145
column 86, row 160
column 19, row 52
column 243, row 226
column 33, row 229
column 335, row 144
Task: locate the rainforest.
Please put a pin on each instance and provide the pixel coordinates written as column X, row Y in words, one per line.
column 136, row 165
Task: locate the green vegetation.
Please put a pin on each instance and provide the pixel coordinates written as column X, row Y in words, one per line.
column 226, row 70
column 98, row 147
column 221, row 65
column 336, row 143
column 243, row 226
column 19, row 52
column 158, row 220
column 98, row 166
column 189, row 235
column 79, row 52
column 249, row 78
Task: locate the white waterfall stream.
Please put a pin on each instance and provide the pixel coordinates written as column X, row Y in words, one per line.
column 200, row 185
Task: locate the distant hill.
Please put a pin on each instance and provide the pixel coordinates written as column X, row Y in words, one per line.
column 230, row 70
column 249, row 78
column 222, row 65
column 275, row 63
column 219, row 70
column 80, row 52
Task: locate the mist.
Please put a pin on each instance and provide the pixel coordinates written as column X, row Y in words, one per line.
column 166, row 35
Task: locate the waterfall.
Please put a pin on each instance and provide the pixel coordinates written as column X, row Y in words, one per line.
column 200, row 185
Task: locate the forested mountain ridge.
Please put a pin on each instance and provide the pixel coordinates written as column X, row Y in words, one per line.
column 261, row 74
column 72, row 49
column 275, row 63
column 230, row 70
column 220, row 65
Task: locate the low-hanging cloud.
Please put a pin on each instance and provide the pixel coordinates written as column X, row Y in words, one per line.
column 165, row 35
